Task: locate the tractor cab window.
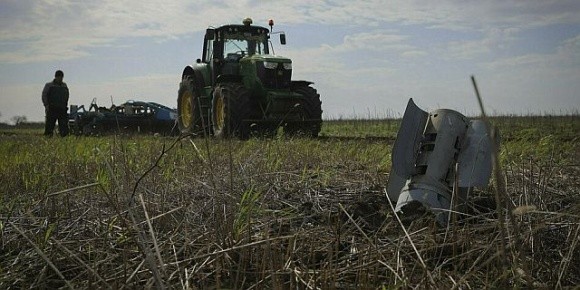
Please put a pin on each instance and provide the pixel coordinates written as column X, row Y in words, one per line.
column 237, row 46
column 256, row 46
column 235, row 49
column 208, row 54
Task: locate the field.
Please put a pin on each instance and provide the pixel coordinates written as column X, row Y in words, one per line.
column 282, row 213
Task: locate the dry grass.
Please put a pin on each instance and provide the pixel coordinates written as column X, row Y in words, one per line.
column 133, row 212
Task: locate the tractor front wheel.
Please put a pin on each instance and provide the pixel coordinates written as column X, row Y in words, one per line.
column 229, row 109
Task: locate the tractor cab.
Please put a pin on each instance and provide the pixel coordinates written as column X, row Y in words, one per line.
column 225, row 46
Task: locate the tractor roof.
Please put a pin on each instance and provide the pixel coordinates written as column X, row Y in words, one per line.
column 233, row 28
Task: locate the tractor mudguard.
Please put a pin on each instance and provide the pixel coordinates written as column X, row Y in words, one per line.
column 295, row 84
column 198, row 80
column 187, row 71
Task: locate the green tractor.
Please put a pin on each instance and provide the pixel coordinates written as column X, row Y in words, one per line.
column 240, row 87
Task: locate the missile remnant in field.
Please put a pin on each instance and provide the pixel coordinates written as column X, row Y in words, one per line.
column 437, row 159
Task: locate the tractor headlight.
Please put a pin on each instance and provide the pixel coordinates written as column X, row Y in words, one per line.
column 287, row 65
column 270, row 65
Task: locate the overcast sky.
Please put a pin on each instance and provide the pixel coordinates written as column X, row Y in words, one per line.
column 365, row 57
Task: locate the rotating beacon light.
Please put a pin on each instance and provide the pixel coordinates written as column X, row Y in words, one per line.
column 433, row 153
column 271, row 24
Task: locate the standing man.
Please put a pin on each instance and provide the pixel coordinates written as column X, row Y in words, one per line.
column 55, row 100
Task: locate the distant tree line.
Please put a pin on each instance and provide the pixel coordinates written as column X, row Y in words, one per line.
column 20, row 122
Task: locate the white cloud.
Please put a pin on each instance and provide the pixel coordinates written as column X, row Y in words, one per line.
column 353, row 62
column 60, row 30
column 570, row 50
column 492, row 41
column 566, row 56
column 64, row 29
column 375, row 41
column 356, row 46
column 413, row 53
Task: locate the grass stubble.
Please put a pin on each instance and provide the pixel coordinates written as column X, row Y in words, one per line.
column 281, row 213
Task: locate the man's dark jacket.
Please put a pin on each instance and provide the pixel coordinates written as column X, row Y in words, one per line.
column 55, row 95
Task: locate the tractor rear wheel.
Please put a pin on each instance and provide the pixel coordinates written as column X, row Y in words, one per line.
column 311, row 113
column 189, row 118
column 230, row 107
